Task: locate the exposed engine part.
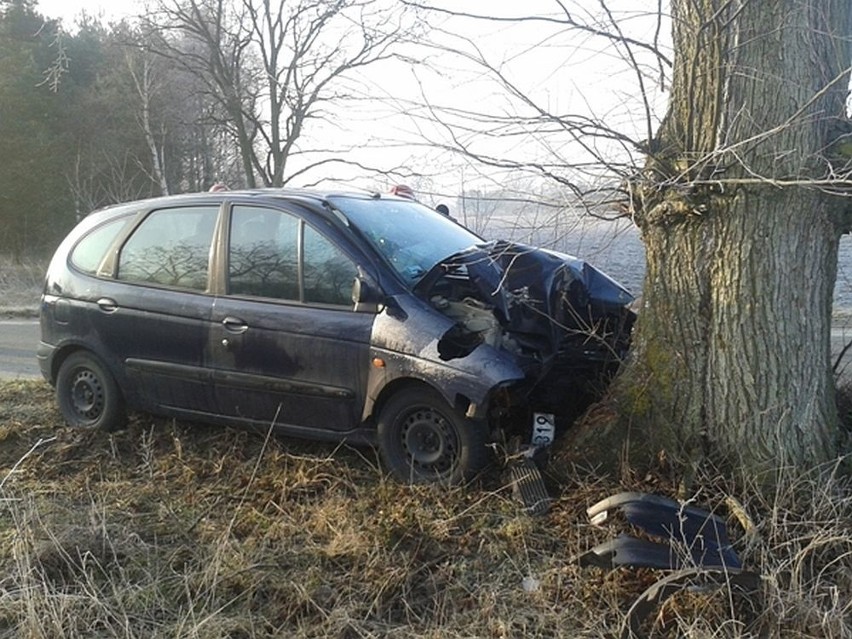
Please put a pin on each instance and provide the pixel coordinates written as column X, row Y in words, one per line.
column 475, row 324
column 475, row 316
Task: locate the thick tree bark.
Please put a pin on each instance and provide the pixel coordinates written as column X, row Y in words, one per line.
column 732, row 351
column 731, row 355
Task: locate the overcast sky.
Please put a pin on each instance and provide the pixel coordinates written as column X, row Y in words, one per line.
column 68, row 10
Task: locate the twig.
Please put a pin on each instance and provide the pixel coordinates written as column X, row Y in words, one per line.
column 22, row 459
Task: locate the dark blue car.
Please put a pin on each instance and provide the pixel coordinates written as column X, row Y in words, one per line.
column 359, row 317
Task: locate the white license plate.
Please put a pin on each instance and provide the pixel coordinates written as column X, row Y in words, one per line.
column 543, row 429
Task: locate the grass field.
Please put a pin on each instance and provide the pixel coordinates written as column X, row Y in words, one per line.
column 168, row 529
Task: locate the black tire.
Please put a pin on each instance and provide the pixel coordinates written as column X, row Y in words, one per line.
column 423, row 440
column 87, row 394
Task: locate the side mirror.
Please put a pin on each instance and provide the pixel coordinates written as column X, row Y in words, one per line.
column 366, row 295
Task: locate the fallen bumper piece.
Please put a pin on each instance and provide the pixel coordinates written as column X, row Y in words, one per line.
column 687, row 535
column 688, row 540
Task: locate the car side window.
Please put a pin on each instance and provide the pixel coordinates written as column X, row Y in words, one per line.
column 328, row 273
column 171, row 248
column 276, row 255
column 91, row 250
column 264, row 254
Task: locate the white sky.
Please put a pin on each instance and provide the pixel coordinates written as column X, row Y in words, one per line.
column 68, row 10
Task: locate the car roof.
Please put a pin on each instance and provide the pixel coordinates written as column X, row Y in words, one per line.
column 314, row 196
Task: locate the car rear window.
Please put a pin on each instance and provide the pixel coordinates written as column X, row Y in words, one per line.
column 90, row 251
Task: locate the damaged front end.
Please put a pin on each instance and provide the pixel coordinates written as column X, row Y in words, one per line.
column 565, row 324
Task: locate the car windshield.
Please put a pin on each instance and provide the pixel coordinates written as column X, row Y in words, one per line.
column 410, row 236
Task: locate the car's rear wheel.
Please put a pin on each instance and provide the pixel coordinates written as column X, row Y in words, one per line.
column 87, row 394
column 423, row 440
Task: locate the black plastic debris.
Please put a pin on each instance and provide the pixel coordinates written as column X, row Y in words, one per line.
column 689, row 541
column 687, row 536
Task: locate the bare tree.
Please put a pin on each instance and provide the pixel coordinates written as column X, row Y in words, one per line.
column 126, row 128
column 740, row 208
column 738, row 193
column 188, row 147
column 586, row 150
column 145, row 78
column 274, row 68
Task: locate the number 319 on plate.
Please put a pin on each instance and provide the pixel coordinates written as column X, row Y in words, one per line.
column 543, row 429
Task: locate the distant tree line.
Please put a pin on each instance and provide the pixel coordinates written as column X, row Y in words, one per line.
column 195, row 92
column 88, row 119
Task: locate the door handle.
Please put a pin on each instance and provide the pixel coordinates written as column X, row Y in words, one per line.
column 107, row 305
column 234, row 325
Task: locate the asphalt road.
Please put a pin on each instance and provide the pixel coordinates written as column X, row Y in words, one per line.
column 19, row 339
column 18, row 342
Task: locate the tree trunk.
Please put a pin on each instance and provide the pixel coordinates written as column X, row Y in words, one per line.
column 144, row 88
column 732, row 351
column 731, row 355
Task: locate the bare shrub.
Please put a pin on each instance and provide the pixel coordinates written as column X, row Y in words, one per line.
column 20, row 285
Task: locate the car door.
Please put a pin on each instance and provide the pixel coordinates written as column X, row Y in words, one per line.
column 153, row 316
column 290, row 348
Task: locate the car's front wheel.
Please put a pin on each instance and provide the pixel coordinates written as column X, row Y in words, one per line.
column 87, row 394
column 424, row 440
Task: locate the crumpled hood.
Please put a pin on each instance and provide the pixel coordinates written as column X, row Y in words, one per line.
column 540, row 294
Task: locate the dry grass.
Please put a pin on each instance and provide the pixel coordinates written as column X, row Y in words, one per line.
column 20, row 286
column 176, row 530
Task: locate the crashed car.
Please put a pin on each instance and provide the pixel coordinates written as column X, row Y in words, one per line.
column 352, row 317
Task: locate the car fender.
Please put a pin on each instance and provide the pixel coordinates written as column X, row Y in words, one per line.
column 404, row 345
